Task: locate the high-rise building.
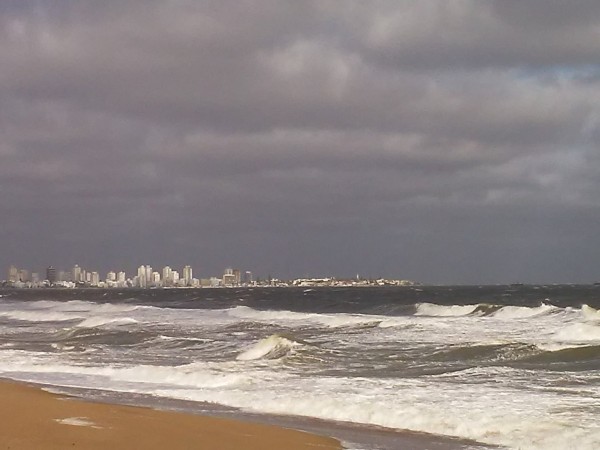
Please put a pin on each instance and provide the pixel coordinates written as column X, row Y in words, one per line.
column 51, row 274
column 95, row 279
column 228, row 277
column 248, row 277
column 237, row 276
column 142, row 281
column 64, row 276
column 187, row 275
column 23, row 275
column 111, row 276
column 167, row 276
column 13, row 274
column 76, row 274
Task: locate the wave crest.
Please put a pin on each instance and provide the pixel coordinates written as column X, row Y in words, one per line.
column 95, row 322
column 272, row 347
column 433, row 310
column 523, row 312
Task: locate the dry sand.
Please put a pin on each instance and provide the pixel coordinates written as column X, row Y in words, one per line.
column 32, row 419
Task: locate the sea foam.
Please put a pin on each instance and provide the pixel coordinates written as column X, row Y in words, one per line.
column 430, row 309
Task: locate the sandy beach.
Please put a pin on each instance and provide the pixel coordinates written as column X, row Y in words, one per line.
column 33, row 419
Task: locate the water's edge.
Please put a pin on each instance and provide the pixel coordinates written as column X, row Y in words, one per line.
column 353, row 436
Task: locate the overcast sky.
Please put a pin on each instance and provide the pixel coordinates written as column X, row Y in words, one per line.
column 441, row 141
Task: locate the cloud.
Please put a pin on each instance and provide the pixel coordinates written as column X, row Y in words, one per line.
column 302, row 137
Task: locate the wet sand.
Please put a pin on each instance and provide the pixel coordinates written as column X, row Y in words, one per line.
column 33, row 419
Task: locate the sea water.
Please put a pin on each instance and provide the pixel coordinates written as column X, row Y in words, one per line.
column 514, row 366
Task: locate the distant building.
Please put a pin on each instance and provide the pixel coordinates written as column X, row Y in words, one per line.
column 167, row 276
column 64, row 276
column 76, row 274
column 144, row 276
column 23, row 275
column 13, row 274
column 228, row 277
column 187, row 275
column 51, row 274
column 237, row 276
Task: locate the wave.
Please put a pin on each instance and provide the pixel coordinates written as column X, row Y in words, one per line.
column 328, row 320
column 568, row 355
column 590, row 313
column 518, row 353
column 579, row 332
column 272, row 347
column 487, row 352
column 41, row 316
column 83, row 306
column 96, row 322
column 433, row 310
column 523, row 312
column 484, row 309
column 140, row 378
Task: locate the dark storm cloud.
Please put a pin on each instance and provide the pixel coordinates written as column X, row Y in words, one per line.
column 442, row 141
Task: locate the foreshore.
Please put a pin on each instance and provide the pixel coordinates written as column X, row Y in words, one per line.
column 33, row 419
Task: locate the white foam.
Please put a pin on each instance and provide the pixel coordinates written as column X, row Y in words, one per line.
column 77, row 421
column 269, row 348
column 477, row 412
column 41, row 316
column 579, row 332
column 329, row 320
column 95, row 322
column 84, row 306
column 590, row 313
column 430, row 309
column 523, row 312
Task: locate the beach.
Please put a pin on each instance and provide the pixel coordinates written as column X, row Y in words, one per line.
column 33, row 419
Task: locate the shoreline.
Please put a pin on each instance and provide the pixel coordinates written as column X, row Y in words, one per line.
column 34, row 419
column 329, row 434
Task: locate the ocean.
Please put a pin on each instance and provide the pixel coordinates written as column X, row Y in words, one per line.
column 512, row 366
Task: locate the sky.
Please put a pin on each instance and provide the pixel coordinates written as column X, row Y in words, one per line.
column 447, row 142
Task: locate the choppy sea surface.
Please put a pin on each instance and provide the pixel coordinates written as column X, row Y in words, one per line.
column 514, row 366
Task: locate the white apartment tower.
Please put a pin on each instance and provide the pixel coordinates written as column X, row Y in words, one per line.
column 76, row 274
column 167, row 276
column 187, row 275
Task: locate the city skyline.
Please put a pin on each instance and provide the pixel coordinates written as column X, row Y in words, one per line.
column 147, row 277
column 446, row 142
column 144, row 277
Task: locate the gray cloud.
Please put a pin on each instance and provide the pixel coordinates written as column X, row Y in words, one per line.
column 446, row 142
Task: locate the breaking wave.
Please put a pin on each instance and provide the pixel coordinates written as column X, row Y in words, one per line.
column 328, row 320
column 579, row 332
column 95, row 322
column 523, row 312
column 41, row 316
column 272, row 347
column 483, row 309
column 590, row 313
column 430, row 309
